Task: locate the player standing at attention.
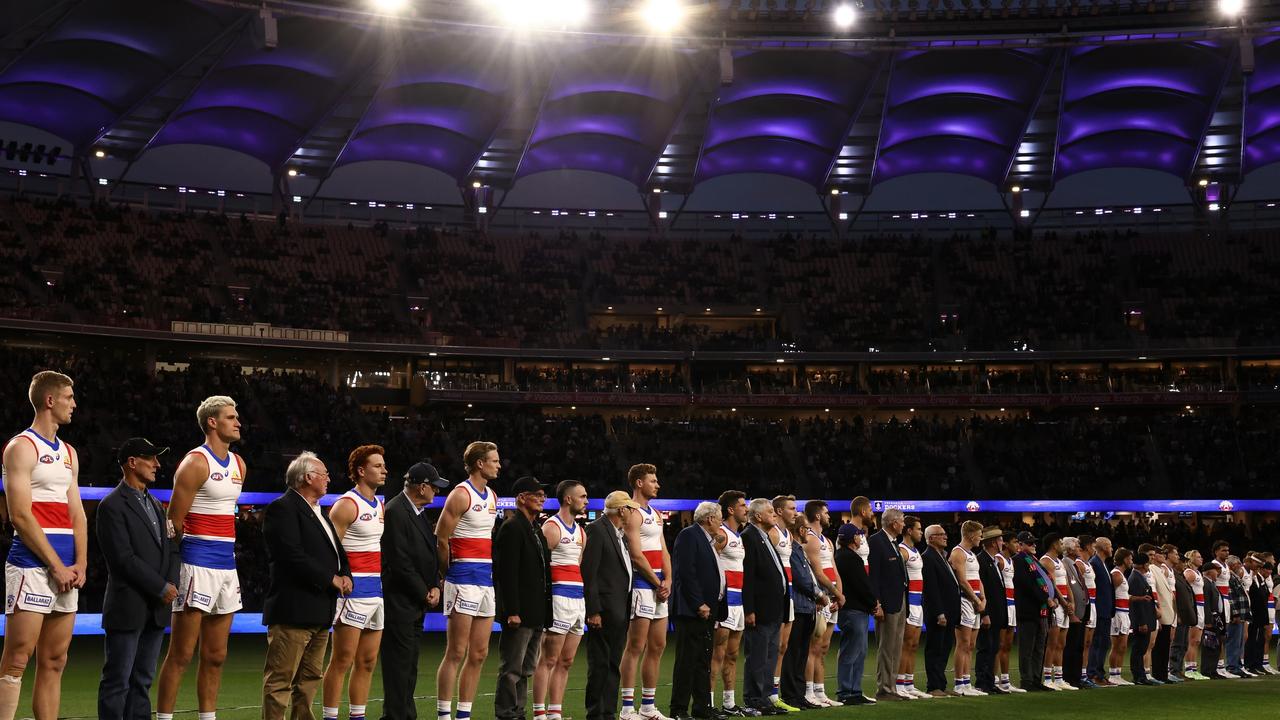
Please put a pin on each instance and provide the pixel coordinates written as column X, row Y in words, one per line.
column 202, row 512
column 567, row 539
column 358, row 518
column 47, row 560
column 821, row 554
column 780, row 536
column 464, row 545
column 651, row 568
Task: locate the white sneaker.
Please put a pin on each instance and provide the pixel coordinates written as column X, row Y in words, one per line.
column 814, row 699
column 1051, row 685
column 1270, row 670
column 1064, row 685
column 1012, row 689
column 653, row 714
column 1228, row 675
column 822, row 695
column 918, row 693
column 629, row 715
column 904, row 693
column 979, row 693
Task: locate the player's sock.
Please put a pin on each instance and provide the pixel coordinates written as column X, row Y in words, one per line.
column 628, row 700
column 646, row 700
column 164, row 716
column 911, row 681
column 464, row 710
column 554, row 711
column 10, row 689
column 539, row 711
column 777, row 684
column 444, row 710
column 329, row 713
column 207, row 715
column 356, row 712
column 726, row 699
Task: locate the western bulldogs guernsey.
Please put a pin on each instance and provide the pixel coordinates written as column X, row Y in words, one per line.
column 50, row 480
column 209, row 528
column 363, row 543
column 471, row 547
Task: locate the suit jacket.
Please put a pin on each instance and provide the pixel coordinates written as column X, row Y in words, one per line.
column 1030, row 592
column 302, row 560
column 1212, row 606
column 993, row 591
column 139, row 565
column 1079, row 594
column 805, row 588
column 606, row 581
column 1164, row 593
column 409, row 567
column 854, row 582
column 887, row 573
column 941, row 594
column 1184, row 602
column 764, row 587
column 1105, row 599
column 1258, row 599
column 697, row 576
column 522, row 572
column 1141, row 612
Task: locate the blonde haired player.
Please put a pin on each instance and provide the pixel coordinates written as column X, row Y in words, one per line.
column 46, row 564
column 782, row 539
column 358, row 518
column 567, row 540
column 964, row 562
column 202, row 512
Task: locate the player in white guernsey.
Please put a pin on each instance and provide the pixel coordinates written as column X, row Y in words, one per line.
column 464, row 547
column 1121, row 625
column 651, row 566
column 783, row 541
column 964, row 562
column 913, row 561
column 567, row 539
column 1004, row 561
column 730, row 553
column 821, row 554
column 1267, row 572
column 47, row 560
column 358, row 520
column 1060, row 617
column 202, row 513
column 1078, row 551
column 1195, row 632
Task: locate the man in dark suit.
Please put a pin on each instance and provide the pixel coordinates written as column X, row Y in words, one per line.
column 697, row 603
column 522, row 585
column 807, row 598
column 995, row 616
column 142, row 581
column 1104, row 605
column 410, row 585
column 941, row 603
column 606, row 579
column 765, row 603
column 1142, row 615
column 1032, row 599
column 889, row 584
column 309, row 571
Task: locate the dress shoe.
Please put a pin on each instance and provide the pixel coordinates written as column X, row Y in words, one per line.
column 887, row 697
column 802, row 704
column 860, row 700
column 1039, row 687
column 1144, row 681
column 938, row 693
column 993, row 690
column 769, row 710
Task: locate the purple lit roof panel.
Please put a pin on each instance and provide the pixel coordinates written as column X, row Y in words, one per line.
column 1126, row 149
column 963, row 116
column 943, row 155
column 266, row 138
column 1011, row 75
column 454, row 62
column 65, row 113
column 657, row 73
column 836, row 77
column 816, row 123
column 465, row 111
column 1185, row 67
column 428, row 146
column 324, row 49
column 113, row 73
column 1262, row 106
column 287, row 94
column 599, row 153
column 1139, row 109
column 165, row 29
column 766, row 155
column 633, row 117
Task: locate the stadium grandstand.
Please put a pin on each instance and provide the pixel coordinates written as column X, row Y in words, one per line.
column 1013, row 261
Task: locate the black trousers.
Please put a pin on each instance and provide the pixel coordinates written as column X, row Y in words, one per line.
column 519, row 649
column 691, row 677
column 1138, row 643
column 604, row 656
column 1032, row 634
column 401, row 643
column 124, row 693
column 1255, row 646
column 760, row 647
column 792, row 686
column 938, row 644
column 1160, row 653
column 1209, row 659
column 1073, row 654
column 1178, row 649
column 984, row 668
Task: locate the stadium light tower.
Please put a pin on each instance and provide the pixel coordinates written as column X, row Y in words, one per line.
column 663, row 16
column 845, row 15
column 1231, row 8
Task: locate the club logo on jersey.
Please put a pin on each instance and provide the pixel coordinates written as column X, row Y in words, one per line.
column 1226, row 506
column 216, row 477
column 366, row 517
column 46, row 459
column 565, row 540
column 973, row 506
column 477, row 507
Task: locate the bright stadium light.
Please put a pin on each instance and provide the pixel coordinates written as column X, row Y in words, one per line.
column 390, row 7
column 522, row 14
column 663, row 16
column 1231, row 8
column 845, row 15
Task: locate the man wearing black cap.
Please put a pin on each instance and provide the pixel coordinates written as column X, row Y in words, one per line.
column 142, row 580
column 1033, row 597
column 1142, row 617
column 522, row 583
column 410, row 585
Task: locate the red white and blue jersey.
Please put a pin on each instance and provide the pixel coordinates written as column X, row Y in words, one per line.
column 915, row 575
column 783, row 548
column 471, row 547
column 1006, row 578
column 363, row 544
column 650, row 545
column 1197, row 587
column 50, row 481
column 730, row 559
column 209, row 528
column 566, row 559
column 1122, row 592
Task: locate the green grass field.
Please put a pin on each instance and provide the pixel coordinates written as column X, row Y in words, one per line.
column 242, row 692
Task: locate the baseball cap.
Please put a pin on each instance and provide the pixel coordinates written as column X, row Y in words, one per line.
column 846, row 533
column 423, row 472
column 1026, row 538
column 619, row 499
column 527, row 484
column 138, row 447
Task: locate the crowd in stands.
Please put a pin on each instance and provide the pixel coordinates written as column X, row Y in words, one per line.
column 988, row 291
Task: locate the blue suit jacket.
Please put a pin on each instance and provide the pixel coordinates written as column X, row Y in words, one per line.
column 805, row 590
column 1105, row 602
column 696, row 576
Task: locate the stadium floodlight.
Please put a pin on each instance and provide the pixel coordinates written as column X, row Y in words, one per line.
column 1016, row 189
column 1204, row 182
column 293, row 172
column 389, row 7
column 845, row 16
column 522, row 14
column 1231, row 8
column 663, row 16
column 99, row 153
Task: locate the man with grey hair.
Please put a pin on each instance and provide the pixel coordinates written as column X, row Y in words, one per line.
column 765, row 602
column 202, row 517
column 888, row 578
column 697, row 603
column 1238, row 620
column 308, row 572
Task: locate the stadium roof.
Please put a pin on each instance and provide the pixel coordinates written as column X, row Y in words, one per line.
column 124, row 77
